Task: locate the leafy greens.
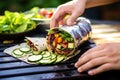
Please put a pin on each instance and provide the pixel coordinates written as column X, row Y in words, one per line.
column 15, row 22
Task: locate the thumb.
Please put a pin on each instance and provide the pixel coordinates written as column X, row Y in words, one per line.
column 75, row 14
column 71, row 19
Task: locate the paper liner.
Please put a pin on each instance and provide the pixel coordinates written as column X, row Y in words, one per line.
column 10, row 50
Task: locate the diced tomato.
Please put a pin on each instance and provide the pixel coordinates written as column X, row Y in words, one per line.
column 56, row 41
column 65, row 45
column 49, row 14
column 64, row 41
column 43, row 12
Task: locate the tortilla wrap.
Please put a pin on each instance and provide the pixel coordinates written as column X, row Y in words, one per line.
column 37, row 44
column 53, row 44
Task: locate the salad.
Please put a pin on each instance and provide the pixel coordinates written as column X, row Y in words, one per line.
column 60, row 41
column 41, row 13
column 15, row 22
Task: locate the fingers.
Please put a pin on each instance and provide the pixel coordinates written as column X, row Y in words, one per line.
column 57, row 16
column 93, row 63
column 88, row 57
column 97, row 48
column 78, row 10
column 99, row 59
column 73, row 8
column 102, row 68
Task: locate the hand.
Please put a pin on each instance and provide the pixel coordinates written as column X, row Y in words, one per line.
column 101, row 58
column 74, row 8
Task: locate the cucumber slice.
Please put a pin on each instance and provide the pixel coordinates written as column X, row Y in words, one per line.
column 49, row 57
column 18, row 56
column 43, row 52
column 59, row 58
column 24, row 49
column 36, row 52
column 34, row 58
column 46, row 61
column 17, row 52
column 46, row 54
column 53, row 55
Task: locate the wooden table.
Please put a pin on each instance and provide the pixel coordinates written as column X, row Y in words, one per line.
column 106, row 33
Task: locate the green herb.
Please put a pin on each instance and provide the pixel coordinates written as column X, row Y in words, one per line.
column 51, row 31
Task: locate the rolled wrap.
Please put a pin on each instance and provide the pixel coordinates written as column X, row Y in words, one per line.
column 66, row 39
column 37, row 44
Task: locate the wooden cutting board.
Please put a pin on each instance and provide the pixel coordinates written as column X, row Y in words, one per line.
column 104, row 33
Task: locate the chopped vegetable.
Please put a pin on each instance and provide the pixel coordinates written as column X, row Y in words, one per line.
column 71, row 45
column 60, row 41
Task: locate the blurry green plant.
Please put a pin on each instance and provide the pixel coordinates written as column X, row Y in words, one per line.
column 24, row 5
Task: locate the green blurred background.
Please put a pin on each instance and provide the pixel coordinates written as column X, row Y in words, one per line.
column 23, row 5
column 108, row 12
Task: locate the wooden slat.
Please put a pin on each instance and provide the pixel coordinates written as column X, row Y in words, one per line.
column 103, row 33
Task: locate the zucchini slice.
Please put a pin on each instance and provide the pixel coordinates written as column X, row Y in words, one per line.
column 47, row 54
column 59, row 58
column 18, row 52
column 17, row 56
column 36, row 52
column 24, row 49
column 46, row 61
column 53, row 55
column 48, row 58
column 34, row 58
column 43, row 52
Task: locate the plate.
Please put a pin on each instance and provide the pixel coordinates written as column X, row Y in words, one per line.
column 41, row 21
column 16, row 36
column 42, row 15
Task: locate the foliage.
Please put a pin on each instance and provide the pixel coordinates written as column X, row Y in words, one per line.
column 23, row 5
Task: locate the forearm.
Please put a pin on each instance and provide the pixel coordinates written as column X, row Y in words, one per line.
column 93, row 3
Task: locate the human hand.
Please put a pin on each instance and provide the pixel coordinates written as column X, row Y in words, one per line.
column 74, row 8
column 101, row 58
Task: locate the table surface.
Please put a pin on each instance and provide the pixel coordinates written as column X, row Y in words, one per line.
column 103, row 31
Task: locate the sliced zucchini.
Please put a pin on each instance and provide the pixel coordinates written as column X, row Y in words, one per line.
column 18, row 52
column 46, row 61
column 43, row 52
column 49, row 57
column 25, row 49
column 53, row 55
column 18, row 56
column 59, row 58
column 46, row 54
column 36, row 52
column 34, row 58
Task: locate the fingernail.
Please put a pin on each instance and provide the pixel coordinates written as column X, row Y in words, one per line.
column 90, row 72
column 69, row 22
column 76, row 65
column 79, row 70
